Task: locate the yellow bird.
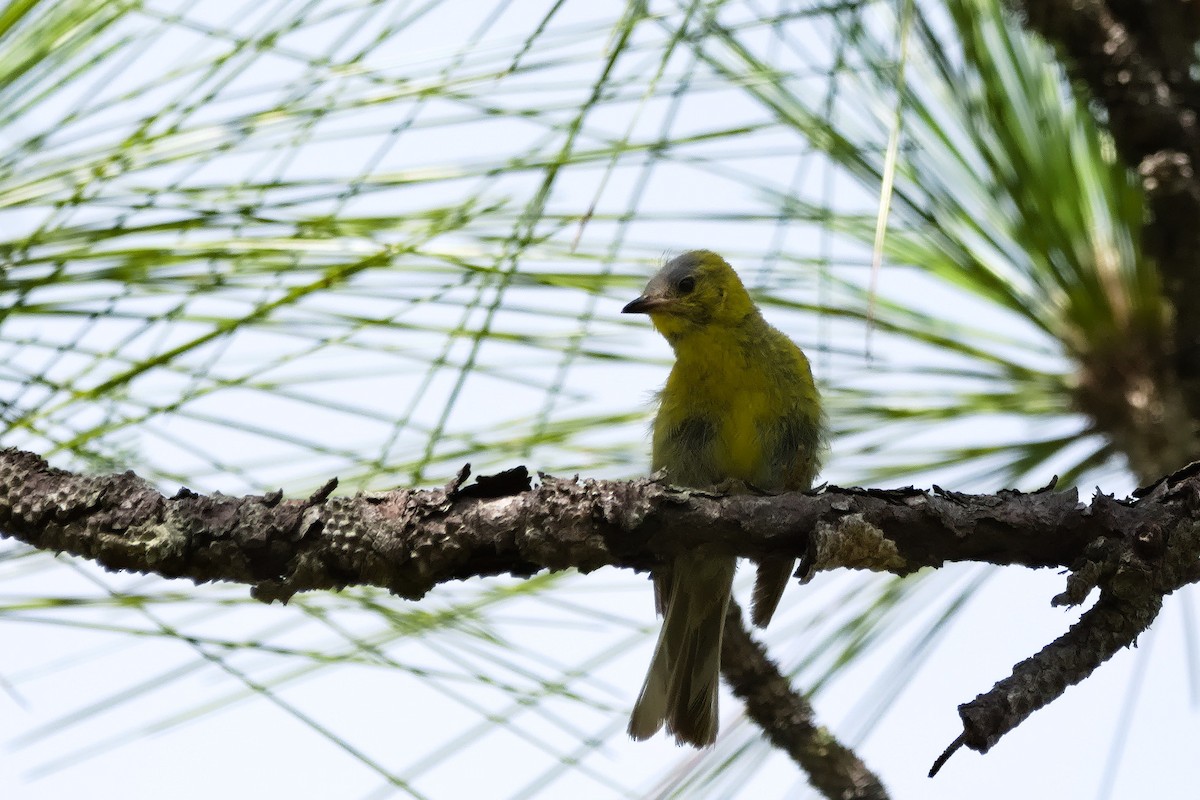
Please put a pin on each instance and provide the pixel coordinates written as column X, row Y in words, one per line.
column 739, row 406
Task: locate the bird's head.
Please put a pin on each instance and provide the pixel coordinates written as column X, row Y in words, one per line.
column 693, row 292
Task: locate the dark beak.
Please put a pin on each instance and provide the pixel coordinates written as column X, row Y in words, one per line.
column 646, row 304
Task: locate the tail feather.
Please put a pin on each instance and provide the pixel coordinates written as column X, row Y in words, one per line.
column 769, row 584
column 682, row 683
column 650, row 710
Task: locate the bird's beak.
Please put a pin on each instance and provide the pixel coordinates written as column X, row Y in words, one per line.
column 646, row 304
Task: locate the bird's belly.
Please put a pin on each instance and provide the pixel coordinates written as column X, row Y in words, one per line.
column 715, row 425
column 739, row 441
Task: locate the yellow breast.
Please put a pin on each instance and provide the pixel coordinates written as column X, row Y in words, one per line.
column 713, row 380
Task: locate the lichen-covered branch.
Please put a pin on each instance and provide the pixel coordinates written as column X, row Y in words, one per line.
column 1135, row 551
column 1134, row 573
column 408, row 541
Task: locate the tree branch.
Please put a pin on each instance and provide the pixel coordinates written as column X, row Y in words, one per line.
column 1135, row 551
column 408, row 541
column 787, row 717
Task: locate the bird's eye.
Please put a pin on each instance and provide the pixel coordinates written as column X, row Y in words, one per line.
column 686, row 285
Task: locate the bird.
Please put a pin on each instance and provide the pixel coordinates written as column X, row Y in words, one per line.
column 739, row 409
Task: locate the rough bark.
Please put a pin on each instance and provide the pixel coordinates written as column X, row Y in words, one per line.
column 1135, row 551
column 787, row 718
column 408, row 541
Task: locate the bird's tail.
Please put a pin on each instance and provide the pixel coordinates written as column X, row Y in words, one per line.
column 769, row 583
column 681, row 685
